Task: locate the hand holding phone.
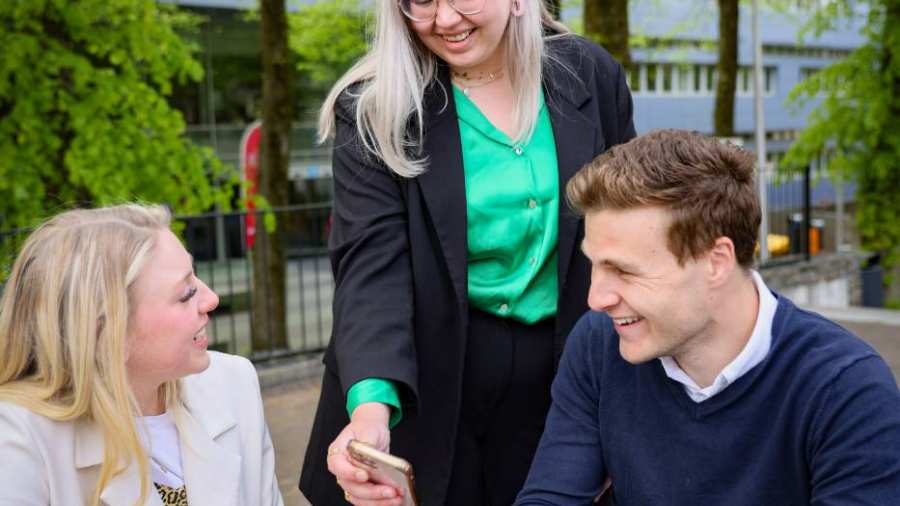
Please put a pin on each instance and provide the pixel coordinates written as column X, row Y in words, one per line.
column 384, row 468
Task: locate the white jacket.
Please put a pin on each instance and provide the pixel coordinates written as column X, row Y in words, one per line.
column 226, row 449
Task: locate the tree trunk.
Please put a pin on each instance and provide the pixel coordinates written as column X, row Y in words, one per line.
column 723, row 115
column 606, row 22
column 269, row 328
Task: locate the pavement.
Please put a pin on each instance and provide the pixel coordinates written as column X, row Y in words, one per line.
column 291, row 390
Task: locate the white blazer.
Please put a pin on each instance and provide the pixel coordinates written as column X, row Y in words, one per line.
column 226, row 449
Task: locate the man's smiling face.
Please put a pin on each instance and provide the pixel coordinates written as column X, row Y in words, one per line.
column 659, row 308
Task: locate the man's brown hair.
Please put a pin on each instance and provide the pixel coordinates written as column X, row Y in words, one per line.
column 707, row 185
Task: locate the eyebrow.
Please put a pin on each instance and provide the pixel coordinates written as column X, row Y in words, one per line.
column 621, row 265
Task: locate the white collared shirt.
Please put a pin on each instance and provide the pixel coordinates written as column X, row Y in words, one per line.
column 754, row 351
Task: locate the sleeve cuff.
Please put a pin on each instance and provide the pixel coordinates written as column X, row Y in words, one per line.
column 376, row 390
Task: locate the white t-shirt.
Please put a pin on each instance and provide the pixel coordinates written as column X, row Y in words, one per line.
column 160, row 437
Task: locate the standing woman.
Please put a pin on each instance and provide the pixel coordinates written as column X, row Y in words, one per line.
column 455, row 260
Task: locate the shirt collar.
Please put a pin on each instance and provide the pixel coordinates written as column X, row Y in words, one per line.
column 754, row 351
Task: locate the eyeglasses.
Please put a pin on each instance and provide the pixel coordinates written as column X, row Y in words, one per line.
column 426, row 10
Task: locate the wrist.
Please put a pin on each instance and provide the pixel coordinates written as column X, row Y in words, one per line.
column 372, row 412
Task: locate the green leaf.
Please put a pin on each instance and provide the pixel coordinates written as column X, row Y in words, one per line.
column 87, row 120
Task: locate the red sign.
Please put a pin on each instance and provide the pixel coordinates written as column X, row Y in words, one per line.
column 250, row 170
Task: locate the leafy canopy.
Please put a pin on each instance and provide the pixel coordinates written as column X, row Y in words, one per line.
column 858, row 119
column 328, row 37
column 83, row 111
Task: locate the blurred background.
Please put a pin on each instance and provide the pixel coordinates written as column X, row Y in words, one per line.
column 210, row 107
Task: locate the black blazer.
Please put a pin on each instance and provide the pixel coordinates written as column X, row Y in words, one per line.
column 399, row 257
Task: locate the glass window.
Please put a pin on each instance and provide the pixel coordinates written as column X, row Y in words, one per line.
column 634, row 77
column 698, row 74
column 651, row 78
column 666, row 78
column 684, row 79
column 711, row 78
column 770, row 79
column 743, row 84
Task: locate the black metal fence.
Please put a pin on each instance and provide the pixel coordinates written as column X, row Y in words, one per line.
column 802, row 215
column 218, row 242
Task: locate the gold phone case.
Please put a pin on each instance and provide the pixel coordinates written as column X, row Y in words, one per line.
column 385, row 468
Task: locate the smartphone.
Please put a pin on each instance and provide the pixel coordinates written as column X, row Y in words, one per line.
column 384, row 468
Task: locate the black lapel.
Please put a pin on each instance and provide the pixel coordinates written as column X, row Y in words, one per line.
column 444, row 184
column 578, row 139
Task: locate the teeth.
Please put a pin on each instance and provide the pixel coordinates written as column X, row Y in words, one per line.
column 626, row 321
column 458, row 37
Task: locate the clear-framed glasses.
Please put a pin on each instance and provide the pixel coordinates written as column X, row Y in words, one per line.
column 426, row 10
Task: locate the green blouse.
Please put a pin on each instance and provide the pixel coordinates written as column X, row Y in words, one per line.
column 512, row 206
column 512, row 201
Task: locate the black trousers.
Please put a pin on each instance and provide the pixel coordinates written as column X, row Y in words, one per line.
column 506, row 396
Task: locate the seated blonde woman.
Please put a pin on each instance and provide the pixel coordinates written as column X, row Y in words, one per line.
column 108, row 394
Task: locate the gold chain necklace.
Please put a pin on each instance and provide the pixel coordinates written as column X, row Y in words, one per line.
column 467, row 82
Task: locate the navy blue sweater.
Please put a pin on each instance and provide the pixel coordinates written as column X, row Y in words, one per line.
column 817, row 422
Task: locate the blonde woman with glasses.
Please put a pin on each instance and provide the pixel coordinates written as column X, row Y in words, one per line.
column 108, row 395
column 455, row 259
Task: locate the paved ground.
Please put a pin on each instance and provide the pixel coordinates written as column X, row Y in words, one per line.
column 289, row 413
column 290, row 407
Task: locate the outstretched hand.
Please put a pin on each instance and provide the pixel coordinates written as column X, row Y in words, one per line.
column 368, row 424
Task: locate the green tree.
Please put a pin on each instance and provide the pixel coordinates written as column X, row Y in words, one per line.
column 83, row 111
column 327, row 37
column 857, row 121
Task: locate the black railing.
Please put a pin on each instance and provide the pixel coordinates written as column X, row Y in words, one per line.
column 218, row 242
column 801, row 216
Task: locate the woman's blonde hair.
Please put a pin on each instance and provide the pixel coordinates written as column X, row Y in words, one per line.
column 395, row 72
column 64, row 320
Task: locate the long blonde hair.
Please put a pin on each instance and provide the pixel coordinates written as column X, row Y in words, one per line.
column 395, row 72
column 63, row 326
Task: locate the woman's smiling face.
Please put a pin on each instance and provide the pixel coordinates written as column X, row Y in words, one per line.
column 472, row 43
column 169, row 313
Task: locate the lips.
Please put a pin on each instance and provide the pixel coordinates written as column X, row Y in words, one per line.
column 625, row 321
column 200, row 338
column 459, row 37
column 201, row 341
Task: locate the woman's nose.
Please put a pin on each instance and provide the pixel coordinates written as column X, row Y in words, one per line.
column 446, row 15
column 210, row 299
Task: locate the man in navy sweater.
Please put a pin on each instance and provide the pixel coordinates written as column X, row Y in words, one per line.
column 689, row 382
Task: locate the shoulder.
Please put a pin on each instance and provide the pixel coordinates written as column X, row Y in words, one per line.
column 581, row 55
column 20, row 420
column 346, row 103
column 36, row 455
column 823, row 353
column 817, row 336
